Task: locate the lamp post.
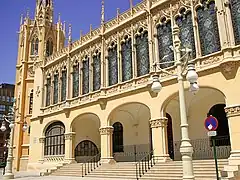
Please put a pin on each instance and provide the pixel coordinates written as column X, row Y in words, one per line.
column 182, row 63
column 10, row 118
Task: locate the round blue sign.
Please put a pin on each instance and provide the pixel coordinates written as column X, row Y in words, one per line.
column 211, row 123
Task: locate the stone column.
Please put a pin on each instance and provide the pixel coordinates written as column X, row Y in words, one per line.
column 159, row 138
column 69, row 147
column 42, row 144
column 233, row 114
column 106, row 144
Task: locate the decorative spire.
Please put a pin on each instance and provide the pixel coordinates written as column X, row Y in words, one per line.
column 28, row 12
column 70, row 34
column 118, row 13
column 59, row 17
column 103, row 13
column 21, row 19
column 131, row 4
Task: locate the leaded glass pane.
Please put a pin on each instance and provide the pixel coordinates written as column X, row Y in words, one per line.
column 64, row 85
column 112, row 66
column 186, row 32
column 208, row 28
column 96, row 72
column 55, row 90
column 165, row 42
column 75, row 81
column 127, row 60
column 142, row 50
column 235, row 10
column 48, row 92
column 85, row 77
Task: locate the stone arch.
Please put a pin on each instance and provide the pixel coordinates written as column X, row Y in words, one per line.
column 49, row 123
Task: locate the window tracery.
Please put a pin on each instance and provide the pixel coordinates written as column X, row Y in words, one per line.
column 235, row 11
column 112, row 65
column 64, row 85
column 34, row 46
column 96, row 71
column 75, row 82
column 55, row 88
column 208, row 28
column 48, row 91
column 49, row 47
column 85, row 72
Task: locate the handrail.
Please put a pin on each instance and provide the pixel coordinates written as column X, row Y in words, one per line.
column 91, row 164
column 144, row 164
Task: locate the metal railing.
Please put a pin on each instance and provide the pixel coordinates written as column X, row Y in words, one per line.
column 91, row 164
column 145, row 164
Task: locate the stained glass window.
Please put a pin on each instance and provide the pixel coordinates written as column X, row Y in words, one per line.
column 64, row 85
column 55, row 86
column 112, row 66
column 235, row 10
column 49, row 47
column 186, row 32
column 142, row 50
column 34, row 46
column 126, row 60
column 48, row 91
column 96, row 72
column 208, row 28
column 75, row 82
column 165, row 42
column 85, row 81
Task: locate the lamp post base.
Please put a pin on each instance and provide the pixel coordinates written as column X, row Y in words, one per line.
column 8, row 176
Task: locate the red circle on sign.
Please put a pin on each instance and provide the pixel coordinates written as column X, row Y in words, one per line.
column 208, row 119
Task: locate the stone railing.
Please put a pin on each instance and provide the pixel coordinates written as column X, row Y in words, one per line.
column 54, row 158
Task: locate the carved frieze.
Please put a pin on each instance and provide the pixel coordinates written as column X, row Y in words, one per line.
column 156, row 123
column 69, row 136
column 108, row 130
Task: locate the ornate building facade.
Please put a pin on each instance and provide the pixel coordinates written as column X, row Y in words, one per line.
column 94, row 95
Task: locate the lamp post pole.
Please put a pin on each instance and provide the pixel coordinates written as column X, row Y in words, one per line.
column 186, row 148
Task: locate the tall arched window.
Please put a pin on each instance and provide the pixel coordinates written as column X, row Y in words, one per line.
column 165, row 41
column 126, row 53
column 85, row 79
column 49, row 47
column 117, row 137
column 112, row 65
column 55, row 88
column 86, row 148
column 75, row 77
column 48, row 91
column 34, row 46
column 31, row 102
column 142, row 50
column 54, row 139
column 208, row 28
column 235, row 11
column 96, row 71
column 185, row 24
column 64, row 84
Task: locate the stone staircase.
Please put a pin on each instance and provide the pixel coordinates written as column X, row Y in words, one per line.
column 203, row 170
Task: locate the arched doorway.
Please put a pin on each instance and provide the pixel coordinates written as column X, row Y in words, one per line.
column 85, row 150
column 117, row 137
column 170, row 136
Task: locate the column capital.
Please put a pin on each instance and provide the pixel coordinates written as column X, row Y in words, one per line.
column 160, row 122
column 233, row 110
column 69, row 135
column 42, row 139
column 107, row 130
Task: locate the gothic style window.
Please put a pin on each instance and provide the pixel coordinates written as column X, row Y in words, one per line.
column 85, row 72
column 55, row 89
column 54, row 139
column 48, row 91
column 75, row 76
column 235, row 10
column 126, row 60
column 64, row 85
column 208, row 28
column 96, row 72
column 165, row 42
column 142, row 50
column 34, row 46
column 49, row 47
column 112, row 66
column 31, row 102
column 86, row 148
column 117, row 137
column 185, row 24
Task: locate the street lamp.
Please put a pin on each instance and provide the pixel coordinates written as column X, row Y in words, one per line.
column 182, row 63
column 10, row 118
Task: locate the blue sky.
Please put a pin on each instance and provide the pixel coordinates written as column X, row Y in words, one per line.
column 80, row 13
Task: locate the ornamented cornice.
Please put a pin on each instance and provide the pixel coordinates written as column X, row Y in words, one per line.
column 108, row 130
column 42, row 140
column 161, row 122
column 233, row 110
column 69, row 136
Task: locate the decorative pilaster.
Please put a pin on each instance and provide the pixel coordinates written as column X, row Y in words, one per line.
column 42, row 143
column 233, row 114
column 106, row 145
column 69, row 149
column 159, row 138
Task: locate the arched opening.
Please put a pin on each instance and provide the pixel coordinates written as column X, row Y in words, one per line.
column 54, row 139
column 170, row 136
column 49, row 47
column 117, row 137
column 85, row 150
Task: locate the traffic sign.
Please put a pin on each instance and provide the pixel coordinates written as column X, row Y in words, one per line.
column 212, row 133
column 211, row 123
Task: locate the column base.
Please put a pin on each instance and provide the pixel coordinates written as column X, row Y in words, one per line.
column 110, row 160
column 8, row 176
column 70, row 160
column 162, row 158
column 234, row 158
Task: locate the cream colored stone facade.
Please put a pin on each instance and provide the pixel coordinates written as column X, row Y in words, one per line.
column 91, row 116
